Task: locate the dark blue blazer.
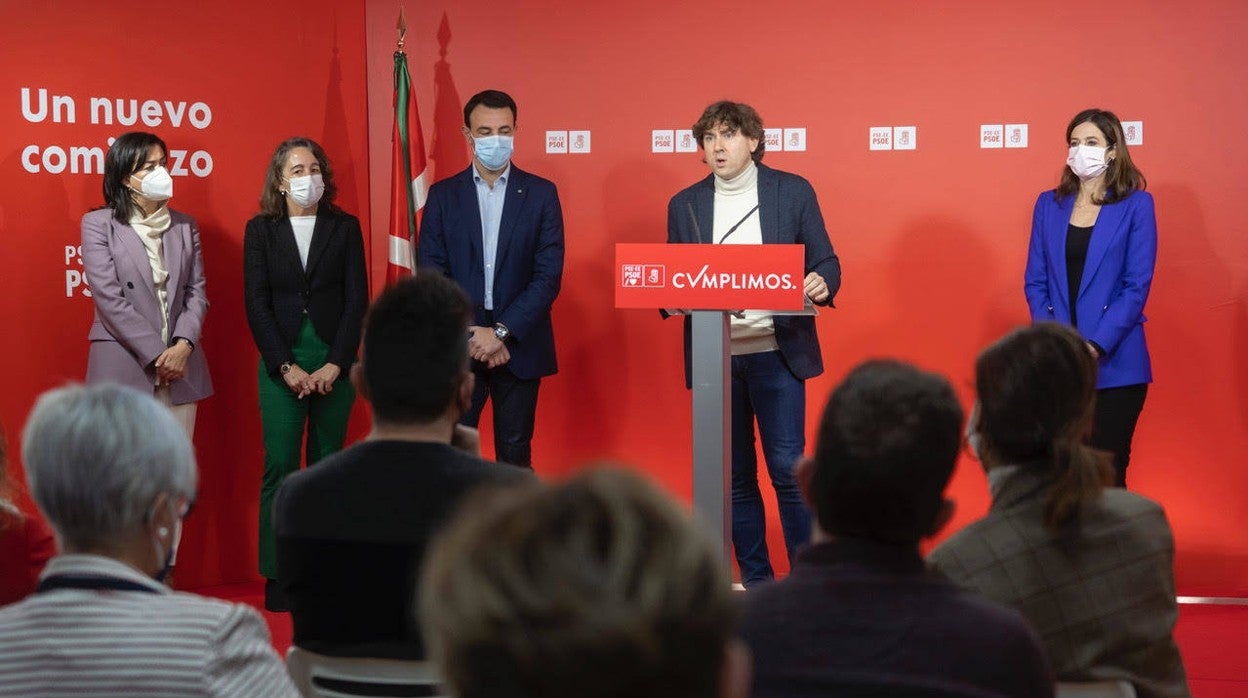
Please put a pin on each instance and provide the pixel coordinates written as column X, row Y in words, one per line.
column 788, row 214
column 1115, row 284
column 528, row 268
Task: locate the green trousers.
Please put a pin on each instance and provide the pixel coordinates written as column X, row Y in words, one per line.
column 283, row 417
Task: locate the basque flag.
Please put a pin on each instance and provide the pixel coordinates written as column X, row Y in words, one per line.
column 409, row 173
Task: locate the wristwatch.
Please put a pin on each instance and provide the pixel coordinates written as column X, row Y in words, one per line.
column 285, row 367
column 501, row 331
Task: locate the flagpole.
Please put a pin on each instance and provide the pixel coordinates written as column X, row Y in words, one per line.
column 409, row 172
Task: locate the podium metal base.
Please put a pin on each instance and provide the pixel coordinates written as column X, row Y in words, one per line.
column 712, row 434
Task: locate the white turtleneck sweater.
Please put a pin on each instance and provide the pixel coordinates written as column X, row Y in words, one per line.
column 151, row 230
column 756, row 332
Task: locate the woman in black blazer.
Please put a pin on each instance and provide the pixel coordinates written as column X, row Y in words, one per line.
column 306, row 290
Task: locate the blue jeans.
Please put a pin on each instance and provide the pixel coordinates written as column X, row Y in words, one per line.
column 764, row 389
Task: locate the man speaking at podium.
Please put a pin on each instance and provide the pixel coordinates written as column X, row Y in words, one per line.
column 744, row 202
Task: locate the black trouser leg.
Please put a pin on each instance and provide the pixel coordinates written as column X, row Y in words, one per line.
column 515, row 412
column 1117, row 411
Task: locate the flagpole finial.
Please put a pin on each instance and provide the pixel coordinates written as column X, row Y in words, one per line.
column 401, row 25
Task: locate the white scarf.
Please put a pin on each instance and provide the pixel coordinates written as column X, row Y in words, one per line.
column 151, row 230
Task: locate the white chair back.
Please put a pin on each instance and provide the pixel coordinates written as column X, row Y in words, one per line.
column 349, row 677
column 1095, row 689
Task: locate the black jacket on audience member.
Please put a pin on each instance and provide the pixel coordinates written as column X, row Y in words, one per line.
column 352, row 531
column 858, row 618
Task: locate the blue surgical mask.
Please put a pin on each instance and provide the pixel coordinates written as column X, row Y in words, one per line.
column 493, row 151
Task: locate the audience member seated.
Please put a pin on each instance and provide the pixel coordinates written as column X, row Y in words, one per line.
column 1090, row 567
column 25, row 542
column 859, row 614
column 352, row 530
column 599, row 587
column 114, row 474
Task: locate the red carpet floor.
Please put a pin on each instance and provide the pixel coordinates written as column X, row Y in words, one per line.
column 1213, row 640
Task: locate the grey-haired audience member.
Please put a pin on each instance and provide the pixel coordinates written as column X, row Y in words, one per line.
column 114, row 474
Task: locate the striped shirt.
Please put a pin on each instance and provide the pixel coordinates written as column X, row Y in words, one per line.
column 104, row 642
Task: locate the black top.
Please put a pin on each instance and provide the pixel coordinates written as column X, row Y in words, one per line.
column 856, row 617
column 279, row 292
column 351, row 533
column 1077, row 240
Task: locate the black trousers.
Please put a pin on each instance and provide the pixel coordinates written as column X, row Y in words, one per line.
column 1117, row 411
column 515, row 411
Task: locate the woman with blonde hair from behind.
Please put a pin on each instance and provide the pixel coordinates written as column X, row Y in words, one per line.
column 600, row 587
column 1091, row 567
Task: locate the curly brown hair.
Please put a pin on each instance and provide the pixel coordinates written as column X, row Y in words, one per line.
column 734, row 115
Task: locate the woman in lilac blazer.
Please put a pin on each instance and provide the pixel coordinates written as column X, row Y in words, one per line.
column 146, row 273
column 1090, row 265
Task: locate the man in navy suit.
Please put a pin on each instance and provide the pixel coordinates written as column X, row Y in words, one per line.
column 498, row 232
column 744, row 202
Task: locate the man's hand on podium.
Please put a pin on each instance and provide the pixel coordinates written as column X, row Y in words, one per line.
column 816, row 288
column 485, row 347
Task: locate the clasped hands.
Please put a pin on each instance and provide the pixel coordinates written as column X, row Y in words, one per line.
column 483, row 346
column 171, row 364
column 320, row 381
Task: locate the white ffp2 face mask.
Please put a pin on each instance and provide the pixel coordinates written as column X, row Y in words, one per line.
column 307, row 190
column 157, row 185
column 1087, row 161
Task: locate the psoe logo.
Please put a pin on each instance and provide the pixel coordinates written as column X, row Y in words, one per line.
column 881, row 138
column 795, row 139
column 75, row 279
column 736, row 281
column 579, row 141
column 991, row 136
column 1016, row 135
column 662, row 141
column 1134, row 131
column 644, row 275
column 905, row 138
column 556, row 141
column 655, row 277
column 685, row 142
column 774, row 138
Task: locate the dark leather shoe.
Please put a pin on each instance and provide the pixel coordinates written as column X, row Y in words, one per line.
column 274, row 597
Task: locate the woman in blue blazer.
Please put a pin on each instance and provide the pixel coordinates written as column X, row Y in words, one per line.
column 1090, row 265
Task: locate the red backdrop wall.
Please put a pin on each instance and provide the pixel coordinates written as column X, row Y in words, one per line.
column 932, row 240
column 266, row 71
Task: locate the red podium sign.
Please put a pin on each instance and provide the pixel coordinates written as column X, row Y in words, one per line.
column 709, row 277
